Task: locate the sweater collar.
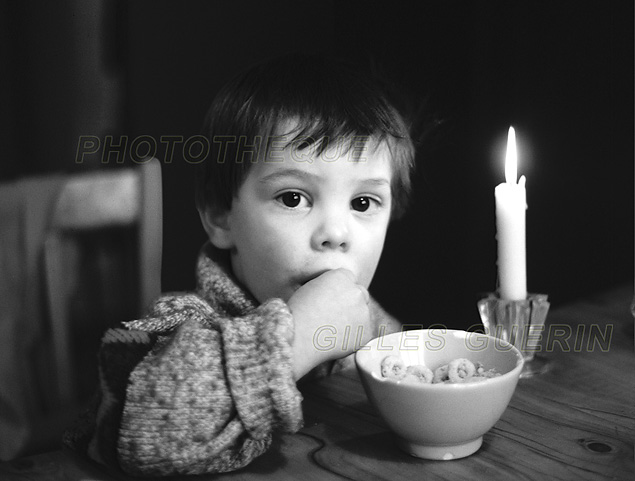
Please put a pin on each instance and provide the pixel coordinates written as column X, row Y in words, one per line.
column 216, row 283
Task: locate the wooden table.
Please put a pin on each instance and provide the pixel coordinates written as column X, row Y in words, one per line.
column 574, row 422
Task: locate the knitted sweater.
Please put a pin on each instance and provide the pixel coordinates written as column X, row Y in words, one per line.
column 197, row 386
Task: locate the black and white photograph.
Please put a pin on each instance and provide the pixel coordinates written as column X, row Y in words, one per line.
column 319, row 240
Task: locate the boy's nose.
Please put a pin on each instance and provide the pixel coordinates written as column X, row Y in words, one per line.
column 332, row 234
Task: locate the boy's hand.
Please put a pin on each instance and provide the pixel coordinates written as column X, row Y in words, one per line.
column 332, row 319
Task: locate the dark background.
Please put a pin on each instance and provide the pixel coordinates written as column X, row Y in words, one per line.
column 560, row 71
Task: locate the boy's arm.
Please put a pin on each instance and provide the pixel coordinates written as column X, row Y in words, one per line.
column 208, row 396
column 383, row 323
column 334, row 316
column 327, row 311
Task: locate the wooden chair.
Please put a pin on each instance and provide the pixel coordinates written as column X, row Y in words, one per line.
column 95, row 202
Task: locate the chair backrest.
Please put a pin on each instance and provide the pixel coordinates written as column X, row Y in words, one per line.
column 95, row 202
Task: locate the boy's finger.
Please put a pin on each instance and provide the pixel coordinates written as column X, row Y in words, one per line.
column 348, row 273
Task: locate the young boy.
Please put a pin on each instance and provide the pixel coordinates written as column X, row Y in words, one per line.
column 308, row 164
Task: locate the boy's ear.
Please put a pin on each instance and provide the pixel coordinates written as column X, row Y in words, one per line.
column 216, row 224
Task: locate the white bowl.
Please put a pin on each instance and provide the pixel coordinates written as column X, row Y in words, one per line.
column 440, row 421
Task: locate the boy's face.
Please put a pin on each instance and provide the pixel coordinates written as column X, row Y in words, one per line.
column 300, row 215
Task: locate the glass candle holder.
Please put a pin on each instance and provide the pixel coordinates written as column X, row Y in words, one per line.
column 521, row 323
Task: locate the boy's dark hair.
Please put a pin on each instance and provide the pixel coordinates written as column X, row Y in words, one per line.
column 323, row 99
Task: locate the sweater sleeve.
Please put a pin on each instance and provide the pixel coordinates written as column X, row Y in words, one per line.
column 259, row 369
column 208, row 398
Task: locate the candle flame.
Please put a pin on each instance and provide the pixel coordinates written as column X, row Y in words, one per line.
column 511, row 161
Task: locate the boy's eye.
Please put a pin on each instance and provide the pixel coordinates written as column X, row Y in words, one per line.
column 362, row 204
column 291, row 199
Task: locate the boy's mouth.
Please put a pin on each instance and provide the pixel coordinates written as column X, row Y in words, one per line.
column 303, row 279
column 313, row 276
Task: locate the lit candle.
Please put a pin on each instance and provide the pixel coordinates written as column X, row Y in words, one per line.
column 511, row 203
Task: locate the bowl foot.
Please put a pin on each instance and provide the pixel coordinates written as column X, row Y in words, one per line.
column 444, row 452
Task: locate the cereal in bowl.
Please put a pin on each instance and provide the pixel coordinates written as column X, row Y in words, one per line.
column 393, row 367
column 418, row 374
column 459, row 370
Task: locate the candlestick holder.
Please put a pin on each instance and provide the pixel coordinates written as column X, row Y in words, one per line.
column 520, row 323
